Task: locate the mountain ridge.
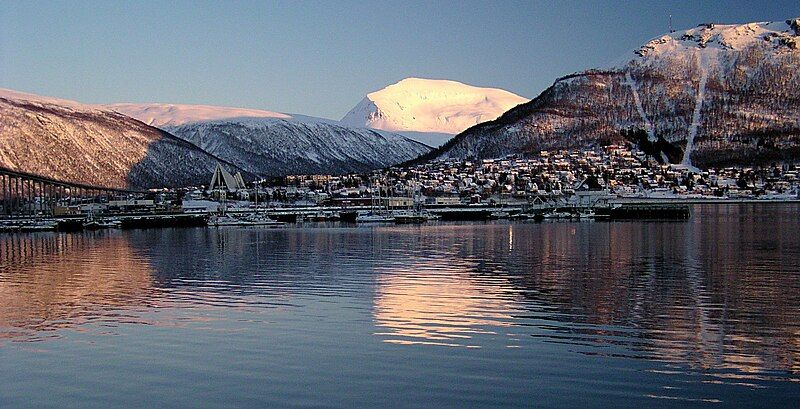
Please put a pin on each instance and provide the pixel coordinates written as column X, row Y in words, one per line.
column 97, row 144
column 722, row 94
column 82, row 144
column 274, row 144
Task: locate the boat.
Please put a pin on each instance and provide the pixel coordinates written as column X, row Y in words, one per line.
column 374, row 217
column 558, row 215
column 430, row 216
column 98, row 224
column 258, row 219
column 225, row 220
column 409, row 217
column 252, row 220
column 528, row 216
column 9, row 227
column 39, row 225
column 500, row 214
column 322, row 216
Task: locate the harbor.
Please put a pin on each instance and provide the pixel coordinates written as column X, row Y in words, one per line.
column 287, row 217
column 33, row 203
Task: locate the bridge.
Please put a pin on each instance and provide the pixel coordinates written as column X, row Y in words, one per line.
column 25, row 195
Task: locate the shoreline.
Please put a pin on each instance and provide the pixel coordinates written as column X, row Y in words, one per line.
column 643, row 209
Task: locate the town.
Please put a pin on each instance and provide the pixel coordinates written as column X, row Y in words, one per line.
column 550, row 175
column 560, row 184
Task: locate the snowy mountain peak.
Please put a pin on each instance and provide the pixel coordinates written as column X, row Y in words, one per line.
column 426, row 105
column 712, row 95
column 782, row 35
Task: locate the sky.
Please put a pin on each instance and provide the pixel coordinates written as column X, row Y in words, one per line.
column 320, row 58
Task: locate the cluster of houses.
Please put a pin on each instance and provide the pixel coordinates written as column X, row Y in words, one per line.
column 549, row 177
column 618, row 170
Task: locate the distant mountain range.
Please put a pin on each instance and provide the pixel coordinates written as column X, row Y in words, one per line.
column 116, row 146
column 166, row 115
column 80, row 143
column 430, row 111
column 273, row 144
column 713, row 95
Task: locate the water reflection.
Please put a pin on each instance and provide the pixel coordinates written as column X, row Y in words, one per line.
column 718, row 295
column 439, row 302
column 54, row 281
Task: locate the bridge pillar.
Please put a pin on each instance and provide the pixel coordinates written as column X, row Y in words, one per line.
column 34, row 198
column 29, row 191
column 50, row 203
column 20, row 189
column 5, row 194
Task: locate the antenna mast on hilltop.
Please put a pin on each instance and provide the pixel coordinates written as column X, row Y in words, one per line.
column 671, row 30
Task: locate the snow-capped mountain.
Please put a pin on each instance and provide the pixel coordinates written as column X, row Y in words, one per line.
column 430, row 111
column 271, row 143
column 712, row 95
column 268, row 146
column 162, row 115
column 115, row 146
column 70, row 141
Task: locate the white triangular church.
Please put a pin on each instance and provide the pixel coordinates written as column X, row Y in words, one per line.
column 223, row 180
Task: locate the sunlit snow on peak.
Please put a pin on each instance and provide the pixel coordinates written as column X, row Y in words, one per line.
column 426, row 105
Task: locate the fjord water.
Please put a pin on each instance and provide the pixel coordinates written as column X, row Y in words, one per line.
column 627, row 314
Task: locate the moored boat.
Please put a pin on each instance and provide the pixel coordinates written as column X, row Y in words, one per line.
column 409, row 217
column 500, row 214
column 374, row 217
column 558, row 215
column 39, row 225
column 252, row 220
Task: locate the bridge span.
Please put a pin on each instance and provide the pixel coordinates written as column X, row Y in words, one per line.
column 29, row 195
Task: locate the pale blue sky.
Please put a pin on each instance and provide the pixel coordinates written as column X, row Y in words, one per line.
column 320, row 58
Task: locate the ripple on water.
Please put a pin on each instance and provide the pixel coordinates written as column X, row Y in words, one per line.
column 697, row 312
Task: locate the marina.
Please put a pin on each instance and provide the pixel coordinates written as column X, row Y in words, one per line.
column 286, row 217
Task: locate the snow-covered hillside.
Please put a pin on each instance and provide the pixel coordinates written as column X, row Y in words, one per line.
column 272, row 143
column 271, row 146
column 74, row 142
column 439, row 108
column 115, row 146
column 718, row 94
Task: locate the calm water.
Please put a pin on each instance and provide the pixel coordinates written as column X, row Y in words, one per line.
column 629, row 314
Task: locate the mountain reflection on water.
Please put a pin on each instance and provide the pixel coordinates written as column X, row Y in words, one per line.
column 53, row 281
column 440, row 303
column 718, row 295
column 708, row 293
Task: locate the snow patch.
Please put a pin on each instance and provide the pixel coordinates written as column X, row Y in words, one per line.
column 703, row 65
column 634, row 89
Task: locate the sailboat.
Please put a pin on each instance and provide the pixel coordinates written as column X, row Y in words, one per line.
column 375, row 216
column 253, row 219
